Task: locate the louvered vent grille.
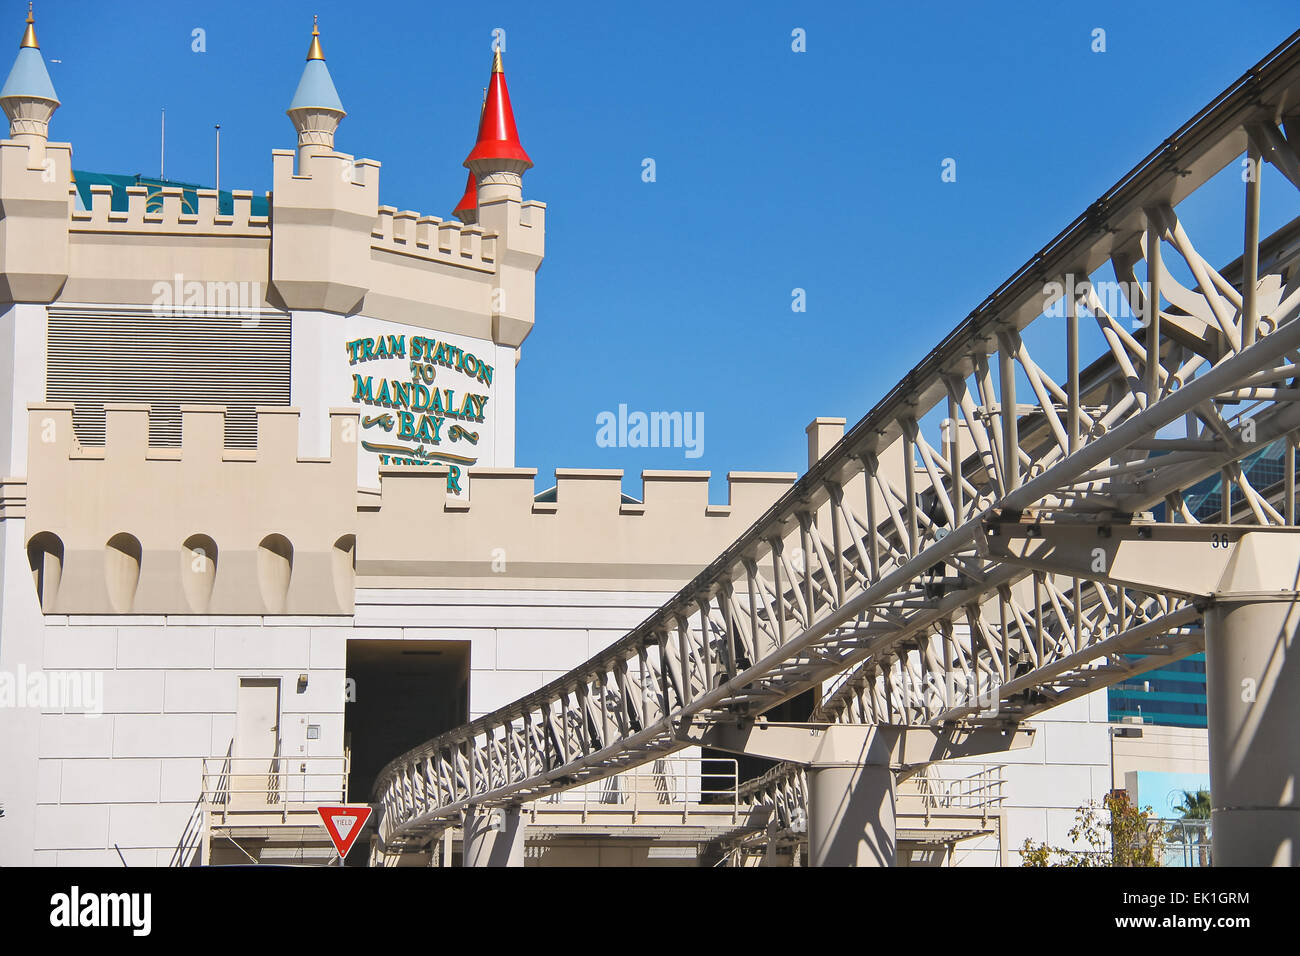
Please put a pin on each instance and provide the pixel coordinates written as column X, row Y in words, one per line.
column 108, row 356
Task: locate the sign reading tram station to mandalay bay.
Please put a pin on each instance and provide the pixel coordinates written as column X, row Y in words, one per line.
column 424, row 401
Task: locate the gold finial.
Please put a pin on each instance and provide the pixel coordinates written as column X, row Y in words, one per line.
column 496, row 62
column 29, row 36
column 315, row 53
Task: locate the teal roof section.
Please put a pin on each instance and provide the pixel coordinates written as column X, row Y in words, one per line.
column 29, row 76
column 261, row 205
column 316, row 89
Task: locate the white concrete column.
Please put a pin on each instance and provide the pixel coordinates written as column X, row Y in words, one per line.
column 851, row 815
column 319, row 378
column 1253, row 694
column 23, row 331
column 494, row 837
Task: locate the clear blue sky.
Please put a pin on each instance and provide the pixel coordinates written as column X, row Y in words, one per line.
column 775, row 170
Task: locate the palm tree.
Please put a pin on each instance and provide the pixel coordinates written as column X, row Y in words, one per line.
column 1196, row 806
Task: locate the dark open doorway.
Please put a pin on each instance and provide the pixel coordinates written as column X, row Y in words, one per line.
column 405, row 693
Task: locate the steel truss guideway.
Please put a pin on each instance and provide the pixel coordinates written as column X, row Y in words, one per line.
column 878, row 580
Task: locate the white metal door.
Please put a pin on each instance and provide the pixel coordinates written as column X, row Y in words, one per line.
column 255, row 775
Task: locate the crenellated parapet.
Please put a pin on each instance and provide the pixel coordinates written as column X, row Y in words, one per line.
column 133, row 528
column 414, row 535
column 160, row 249
column 408, row 233
column 130, row 528
column 335, row 249
column 326, row 244
column 168, row 215
column 475, row 280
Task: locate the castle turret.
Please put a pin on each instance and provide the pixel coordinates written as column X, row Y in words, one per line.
column 467, row 209
column 498, row 161
column 326, row 209
column 28, row 96
column 497, row 164
column 35, row 183
column 316, row 110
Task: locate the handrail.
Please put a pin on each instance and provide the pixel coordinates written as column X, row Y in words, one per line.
column 947, row 788
column 320, row 779
column 677, row 784
column 192, row 836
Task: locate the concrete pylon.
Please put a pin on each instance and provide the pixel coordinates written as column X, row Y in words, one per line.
column 1252, row 684
column 853, row 772
column 494, row 837
column 1249, row 580
column 851, row 812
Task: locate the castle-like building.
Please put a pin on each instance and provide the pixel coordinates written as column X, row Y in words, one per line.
column 261, row 520
column 261, row 483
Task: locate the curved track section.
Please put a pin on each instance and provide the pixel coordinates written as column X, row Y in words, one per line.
column 868, row 579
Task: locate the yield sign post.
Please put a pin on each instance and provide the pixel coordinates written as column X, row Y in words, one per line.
column 344, row 824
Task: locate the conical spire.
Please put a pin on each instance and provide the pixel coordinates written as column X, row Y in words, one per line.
column 314, row 52
column 29, row 35
column 27, row 97
column 315, row 110
column 497, row 136
column 316, row 87
column 29, row 77
column 467, row 209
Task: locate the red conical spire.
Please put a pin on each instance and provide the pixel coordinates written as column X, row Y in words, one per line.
column 467, row 208
column 497, row 136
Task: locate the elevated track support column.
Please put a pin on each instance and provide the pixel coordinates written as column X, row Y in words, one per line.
column 853, row 773
column 494, row 837
column 851, row 815
column 1252, row 685
column 1247, row 580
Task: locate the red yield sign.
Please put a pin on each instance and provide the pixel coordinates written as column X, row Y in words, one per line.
column 344, row 824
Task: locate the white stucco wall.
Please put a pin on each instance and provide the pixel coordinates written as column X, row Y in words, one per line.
column 1067, row 766
column 78, row 788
